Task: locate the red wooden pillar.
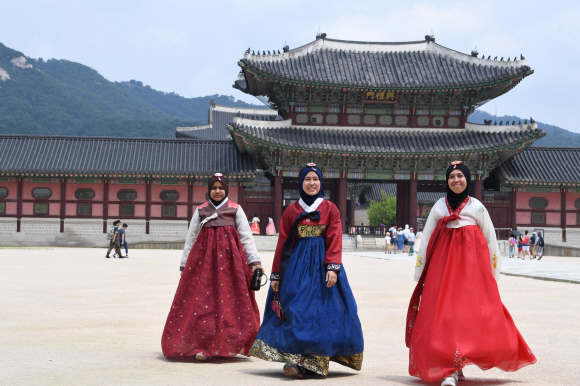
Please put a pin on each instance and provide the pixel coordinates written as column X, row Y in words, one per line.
column 189, row 202
column 412, row 205
column 402, row 196
column 513, row 208
column 105, row 203
column 278, row 197
column 476, row 189
column 19, row 203
column 341, row 202
column 62, row 203
column 563, row 200
column 147, row 206
column 350, row 204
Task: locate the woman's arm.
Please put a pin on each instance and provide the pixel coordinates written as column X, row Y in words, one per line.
column 246, row 238
column 285, row 229
column 190, row 239
column 333, row 242
column 486, row 226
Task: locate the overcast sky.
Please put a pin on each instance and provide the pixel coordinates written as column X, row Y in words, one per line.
column 192, row 47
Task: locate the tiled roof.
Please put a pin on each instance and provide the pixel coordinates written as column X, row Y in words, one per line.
column 101, row 155
column 544, row 164
column 420, row 64
column 261, row 178
column 382, row 140
column 373, row 193
column 219, row 117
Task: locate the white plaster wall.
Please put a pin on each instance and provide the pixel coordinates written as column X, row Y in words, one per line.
column 40, row 226
column 168, row 230
column 7, row 225
column 84, row 227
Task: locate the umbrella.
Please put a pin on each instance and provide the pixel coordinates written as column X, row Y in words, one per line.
column 516, row 233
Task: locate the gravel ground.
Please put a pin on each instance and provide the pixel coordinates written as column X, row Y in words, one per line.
column 72, row 317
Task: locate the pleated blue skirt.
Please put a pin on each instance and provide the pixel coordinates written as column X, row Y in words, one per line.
column 320, row 321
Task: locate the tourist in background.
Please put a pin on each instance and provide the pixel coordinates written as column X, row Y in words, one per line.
column 540, row 246
column 455, row 317
column 123, row 240
column 520, row 247
column 511, row 245
column 525, row 245
column 411, row 241
column 400, row 240
column 214, row 312
column 255, row 225
column 388, row 242
column 113, row 236
column 270, row 228
column 393, row 231
column 533, row 241
column 320, row 322
column 406, row 242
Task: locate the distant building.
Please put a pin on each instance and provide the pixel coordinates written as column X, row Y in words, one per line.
column 373, row 116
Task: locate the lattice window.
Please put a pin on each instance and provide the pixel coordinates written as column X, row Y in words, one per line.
column 84, row 194
column 538, row 218
column 3, row 192
column 41, row 193
column 126, row 210
column 2, row 207
column 538, row 202
column 40, row 208
column 169, row 211
column 127, row 195
column 169, row 195
column 84, row 210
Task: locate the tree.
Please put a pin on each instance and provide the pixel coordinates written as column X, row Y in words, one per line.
column 384, row 211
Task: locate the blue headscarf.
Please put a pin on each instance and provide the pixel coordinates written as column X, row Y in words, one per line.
column 308, row 199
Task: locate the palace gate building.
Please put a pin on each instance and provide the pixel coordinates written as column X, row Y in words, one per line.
column 373, row 116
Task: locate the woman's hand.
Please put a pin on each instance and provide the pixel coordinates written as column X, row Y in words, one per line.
column 256, row 267
column 275, row 285
column 330, row 278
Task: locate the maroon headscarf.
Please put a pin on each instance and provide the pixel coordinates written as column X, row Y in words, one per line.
column 217, row 177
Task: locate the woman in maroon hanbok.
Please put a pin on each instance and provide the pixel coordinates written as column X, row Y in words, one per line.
column 214, row 312
column 456, row 316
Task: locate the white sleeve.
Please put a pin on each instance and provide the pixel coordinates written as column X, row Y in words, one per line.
column 427, row 232
column 486, row 226
column 246, row 237
column 191, row 237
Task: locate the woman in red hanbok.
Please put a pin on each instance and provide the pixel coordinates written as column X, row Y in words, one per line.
column 456, row 316
column 214, row 312
column 255, row 225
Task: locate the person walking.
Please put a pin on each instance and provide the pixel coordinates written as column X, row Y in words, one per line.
column 525, row 245
column 511, row 245
column 388, row 242
column 411, row 241
column 406, row 242
column 520, row 247
column 214, row 312
column 311, row 316
column 255, row 225
column 113, row 236
column 533, row 241
column 123, row 240
column 418, row 239
column 394, row 238
column 540, row 246
column 456, row 317
column 270, row 228
column 400, row 240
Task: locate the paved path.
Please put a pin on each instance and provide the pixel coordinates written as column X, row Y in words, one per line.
column 565, row 269
column 72, row 317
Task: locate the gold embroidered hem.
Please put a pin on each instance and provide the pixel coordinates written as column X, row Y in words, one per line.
column 317, row 364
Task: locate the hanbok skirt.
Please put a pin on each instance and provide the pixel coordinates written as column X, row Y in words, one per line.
column 214, row 312
column 255, row 228
column 461, row 318
column 321, row 324
column 271, row 229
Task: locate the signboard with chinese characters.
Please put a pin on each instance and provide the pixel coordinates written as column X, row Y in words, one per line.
column 380, row 96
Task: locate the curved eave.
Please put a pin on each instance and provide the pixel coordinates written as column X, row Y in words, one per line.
column 268, row 77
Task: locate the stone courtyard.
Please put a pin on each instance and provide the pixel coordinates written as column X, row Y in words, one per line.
column 72, row 317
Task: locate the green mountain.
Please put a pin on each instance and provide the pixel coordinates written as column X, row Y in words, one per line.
column 60, row 97
column 556, row 136
column 187, row 109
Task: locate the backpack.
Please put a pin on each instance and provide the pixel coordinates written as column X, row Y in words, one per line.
column 111, row 233
column 541, row 241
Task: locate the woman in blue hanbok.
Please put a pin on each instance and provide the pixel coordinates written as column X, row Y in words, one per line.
column 320, row 322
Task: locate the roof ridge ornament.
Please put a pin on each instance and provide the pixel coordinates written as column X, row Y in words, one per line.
column 430, row 38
